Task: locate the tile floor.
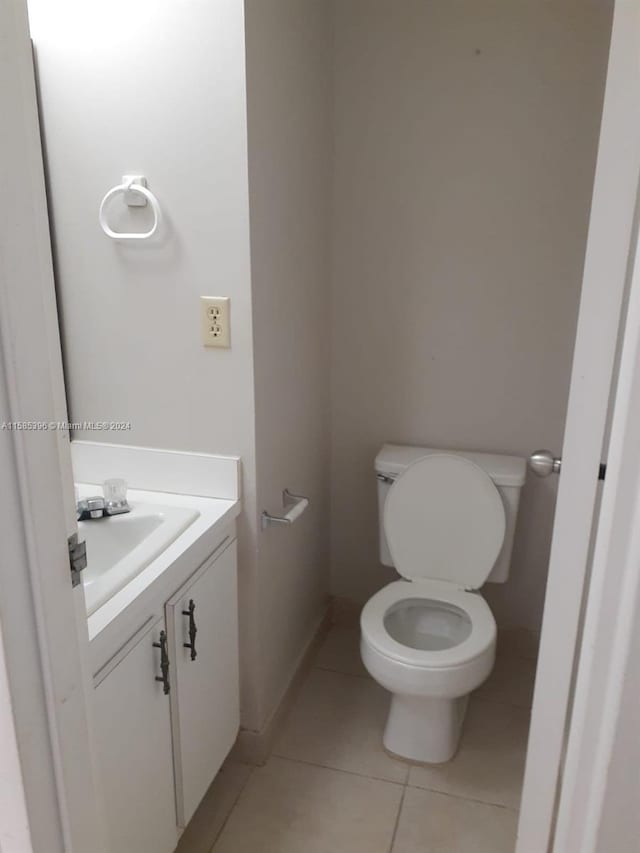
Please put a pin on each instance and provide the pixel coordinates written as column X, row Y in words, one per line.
column 329, row 787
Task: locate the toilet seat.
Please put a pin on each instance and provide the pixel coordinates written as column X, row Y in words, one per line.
column 444, row 520
column 445, row 523
column 436, row 595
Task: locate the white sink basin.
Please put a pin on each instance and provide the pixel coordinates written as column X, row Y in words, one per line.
column 120, row 547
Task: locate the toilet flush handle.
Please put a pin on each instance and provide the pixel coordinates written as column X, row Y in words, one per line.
column 543, row 463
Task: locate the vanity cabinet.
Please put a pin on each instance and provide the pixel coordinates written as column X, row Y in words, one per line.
column 204, row 697
column 132, row 723
column 162, row 734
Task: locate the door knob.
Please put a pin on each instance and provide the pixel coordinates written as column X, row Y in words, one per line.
column 543, row 463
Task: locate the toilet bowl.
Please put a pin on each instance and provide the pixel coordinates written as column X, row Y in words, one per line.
column 429, row 646
column 430, row 639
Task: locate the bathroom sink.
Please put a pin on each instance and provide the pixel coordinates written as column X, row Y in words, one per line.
column 113, row 538
column 120, row 547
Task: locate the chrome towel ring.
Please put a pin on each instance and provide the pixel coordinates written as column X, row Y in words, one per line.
column 136, row 195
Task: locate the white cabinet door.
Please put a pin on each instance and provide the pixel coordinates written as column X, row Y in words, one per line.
column 133, row 745
column 205, row 702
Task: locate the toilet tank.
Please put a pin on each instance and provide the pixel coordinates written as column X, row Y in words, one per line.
column 507, row 472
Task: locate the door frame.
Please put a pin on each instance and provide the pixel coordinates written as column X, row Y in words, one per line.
column 43, row 622
column 599, row 334
column 609, row 649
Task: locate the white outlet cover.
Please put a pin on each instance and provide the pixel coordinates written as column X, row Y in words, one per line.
column 215, row 321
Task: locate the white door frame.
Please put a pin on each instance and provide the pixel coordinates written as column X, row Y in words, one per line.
column 43, row 623
column 607, row 656
column 605, row 276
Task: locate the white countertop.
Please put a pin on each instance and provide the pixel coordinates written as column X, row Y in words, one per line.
column 185, row 552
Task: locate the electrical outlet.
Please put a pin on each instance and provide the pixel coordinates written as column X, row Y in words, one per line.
column 215, row 321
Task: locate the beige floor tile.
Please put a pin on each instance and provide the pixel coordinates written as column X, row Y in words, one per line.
column 489, row 764
column 519, row 641
column 511, row 681
column 340, row 652
column 345, row 612
column 287, row 807
column 437, row 823
column 207, row 822
column 338, row 721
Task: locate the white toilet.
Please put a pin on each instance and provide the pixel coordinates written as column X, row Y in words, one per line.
column 447, row 521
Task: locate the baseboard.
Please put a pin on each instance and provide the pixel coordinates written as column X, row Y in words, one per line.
column 254, row 747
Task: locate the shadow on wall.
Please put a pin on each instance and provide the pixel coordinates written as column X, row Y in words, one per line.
column 519, row 602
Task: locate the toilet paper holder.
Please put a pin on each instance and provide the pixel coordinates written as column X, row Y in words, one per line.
column 294, row 506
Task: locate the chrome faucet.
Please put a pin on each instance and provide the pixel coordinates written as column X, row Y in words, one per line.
column 96, row 507
column 114, row 502
column 90, row 508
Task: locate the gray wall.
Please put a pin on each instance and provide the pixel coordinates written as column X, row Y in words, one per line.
column 465, row 142
column 289, row 61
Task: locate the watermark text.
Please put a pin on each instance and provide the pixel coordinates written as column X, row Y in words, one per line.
column 53, row 426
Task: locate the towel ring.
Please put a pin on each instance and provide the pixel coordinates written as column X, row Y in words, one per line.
column 136, row 187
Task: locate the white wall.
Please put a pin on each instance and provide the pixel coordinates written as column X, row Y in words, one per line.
column 158, row 89
column 135, row 87
column 289, row 63
column 465, row 140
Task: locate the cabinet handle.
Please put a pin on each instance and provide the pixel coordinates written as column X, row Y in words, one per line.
column 193, row 630
column 164, row 663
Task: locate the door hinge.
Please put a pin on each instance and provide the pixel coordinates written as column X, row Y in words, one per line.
column 77, row 558
column 602, row 470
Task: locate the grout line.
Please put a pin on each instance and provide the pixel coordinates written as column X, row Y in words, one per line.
column 337, row 769
column 229, row 813
column 397, row 822
column 487, row 701
column 466, row 799
column 340, row 672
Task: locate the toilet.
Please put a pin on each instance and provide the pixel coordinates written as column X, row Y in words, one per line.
column 447, row 521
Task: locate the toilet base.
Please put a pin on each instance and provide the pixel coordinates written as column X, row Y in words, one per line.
column 424, row 729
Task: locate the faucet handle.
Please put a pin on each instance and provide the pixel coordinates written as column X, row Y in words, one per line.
column 115, row 494
column 93, row 507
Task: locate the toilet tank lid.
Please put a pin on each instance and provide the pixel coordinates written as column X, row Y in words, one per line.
column 504, row 470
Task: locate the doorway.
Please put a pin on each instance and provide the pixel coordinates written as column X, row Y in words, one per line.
column 603, row 317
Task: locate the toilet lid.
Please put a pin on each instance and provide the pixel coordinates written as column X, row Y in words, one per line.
column 444, row 520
